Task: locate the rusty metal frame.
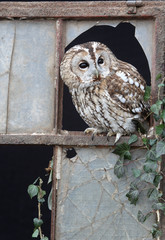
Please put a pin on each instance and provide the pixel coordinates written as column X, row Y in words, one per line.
column 62, row 11
column 66, row 140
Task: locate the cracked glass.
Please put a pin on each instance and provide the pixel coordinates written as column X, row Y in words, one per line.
column 92, row 202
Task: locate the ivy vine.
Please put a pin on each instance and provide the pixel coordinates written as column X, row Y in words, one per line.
column 150, row 175
column 35, row 190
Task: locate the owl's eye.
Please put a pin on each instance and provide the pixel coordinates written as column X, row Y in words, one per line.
column 100, row 60
column 84, row 65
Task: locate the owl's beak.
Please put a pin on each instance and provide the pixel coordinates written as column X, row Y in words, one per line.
column 96, row 73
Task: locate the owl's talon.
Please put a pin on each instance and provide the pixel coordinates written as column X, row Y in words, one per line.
column 108, row 137
column 118, row 136
column 94, row 132
column 90, row 130
column 109, row 134
column 93, row 135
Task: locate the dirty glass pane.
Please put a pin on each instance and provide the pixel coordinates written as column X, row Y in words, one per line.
column 6, row 43
column 26, row 76
column 91, row 200
column 143, row 32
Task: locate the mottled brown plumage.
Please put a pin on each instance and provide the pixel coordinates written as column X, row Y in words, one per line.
column 107, row 93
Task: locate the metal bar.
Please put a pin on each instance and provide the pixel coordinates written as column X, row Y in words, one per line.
column 135, row 3
column 158, row 57
column 58, row 119
column 56, row 154
column 58, row 82
column 80, row 140
column 77, row 9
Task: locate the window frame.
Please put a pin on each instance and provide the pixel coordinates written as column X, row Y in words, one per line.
column 64, row 11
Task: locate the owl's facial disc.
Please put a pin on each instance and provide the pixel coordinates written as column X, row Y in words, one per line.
column 90, row 66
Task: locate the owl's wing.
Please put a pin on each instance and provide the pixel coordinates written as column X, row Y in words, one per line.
column 126, row 87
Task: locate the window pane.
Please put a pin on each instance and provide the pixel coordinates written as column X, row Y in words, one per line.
column 27, row 57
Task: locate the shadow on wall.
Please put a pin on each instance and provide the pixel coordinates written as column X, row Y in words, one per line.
column 123, row 43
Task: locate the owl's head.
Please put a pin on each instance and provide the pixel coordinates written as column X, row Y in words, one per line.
column 87, row 64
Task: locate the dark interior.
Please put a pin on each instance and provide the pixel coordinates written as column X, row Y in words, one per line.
column 20, row 166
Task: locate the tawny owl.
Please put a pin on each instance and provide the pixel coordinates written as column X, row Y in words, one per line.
column 107, row 92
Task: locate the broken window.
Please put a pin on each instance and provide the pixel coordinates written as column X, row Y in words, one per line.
column 124, row 39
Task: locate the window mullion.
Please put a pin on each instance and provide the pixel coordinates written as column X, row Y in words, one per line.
column 58, row 83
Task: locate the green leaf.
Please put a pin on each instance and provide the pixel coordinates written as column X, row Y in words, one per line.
column 50, row 200
column 156, row 233
column 159, row 129
column 151, row 154
column 147, row 93
column 37, row 222
column 132, row 139
column 155, row 108
column 163, row 115
column 160, row 148
column 163, row 134
column 44, row 238
column 119, row 170
column 163, row 100
column 148, row 177
column 136, row 172
column 157, row 179
column 145, row 141
column 153, row 194
column 161, row 85
column 141, row 217
column 159, row 103
column 123, row 151
column 151, row 142
column 32, row 190
column 35, row 233
column 41, row 200
column 159, row 206
column 158, row 76
column 156, row 117
column 150, row 166
column 133, row 194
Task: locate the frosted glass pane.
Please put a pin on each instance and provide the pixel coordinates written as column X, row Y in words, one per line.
column 27, row 80
column 6, row 46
